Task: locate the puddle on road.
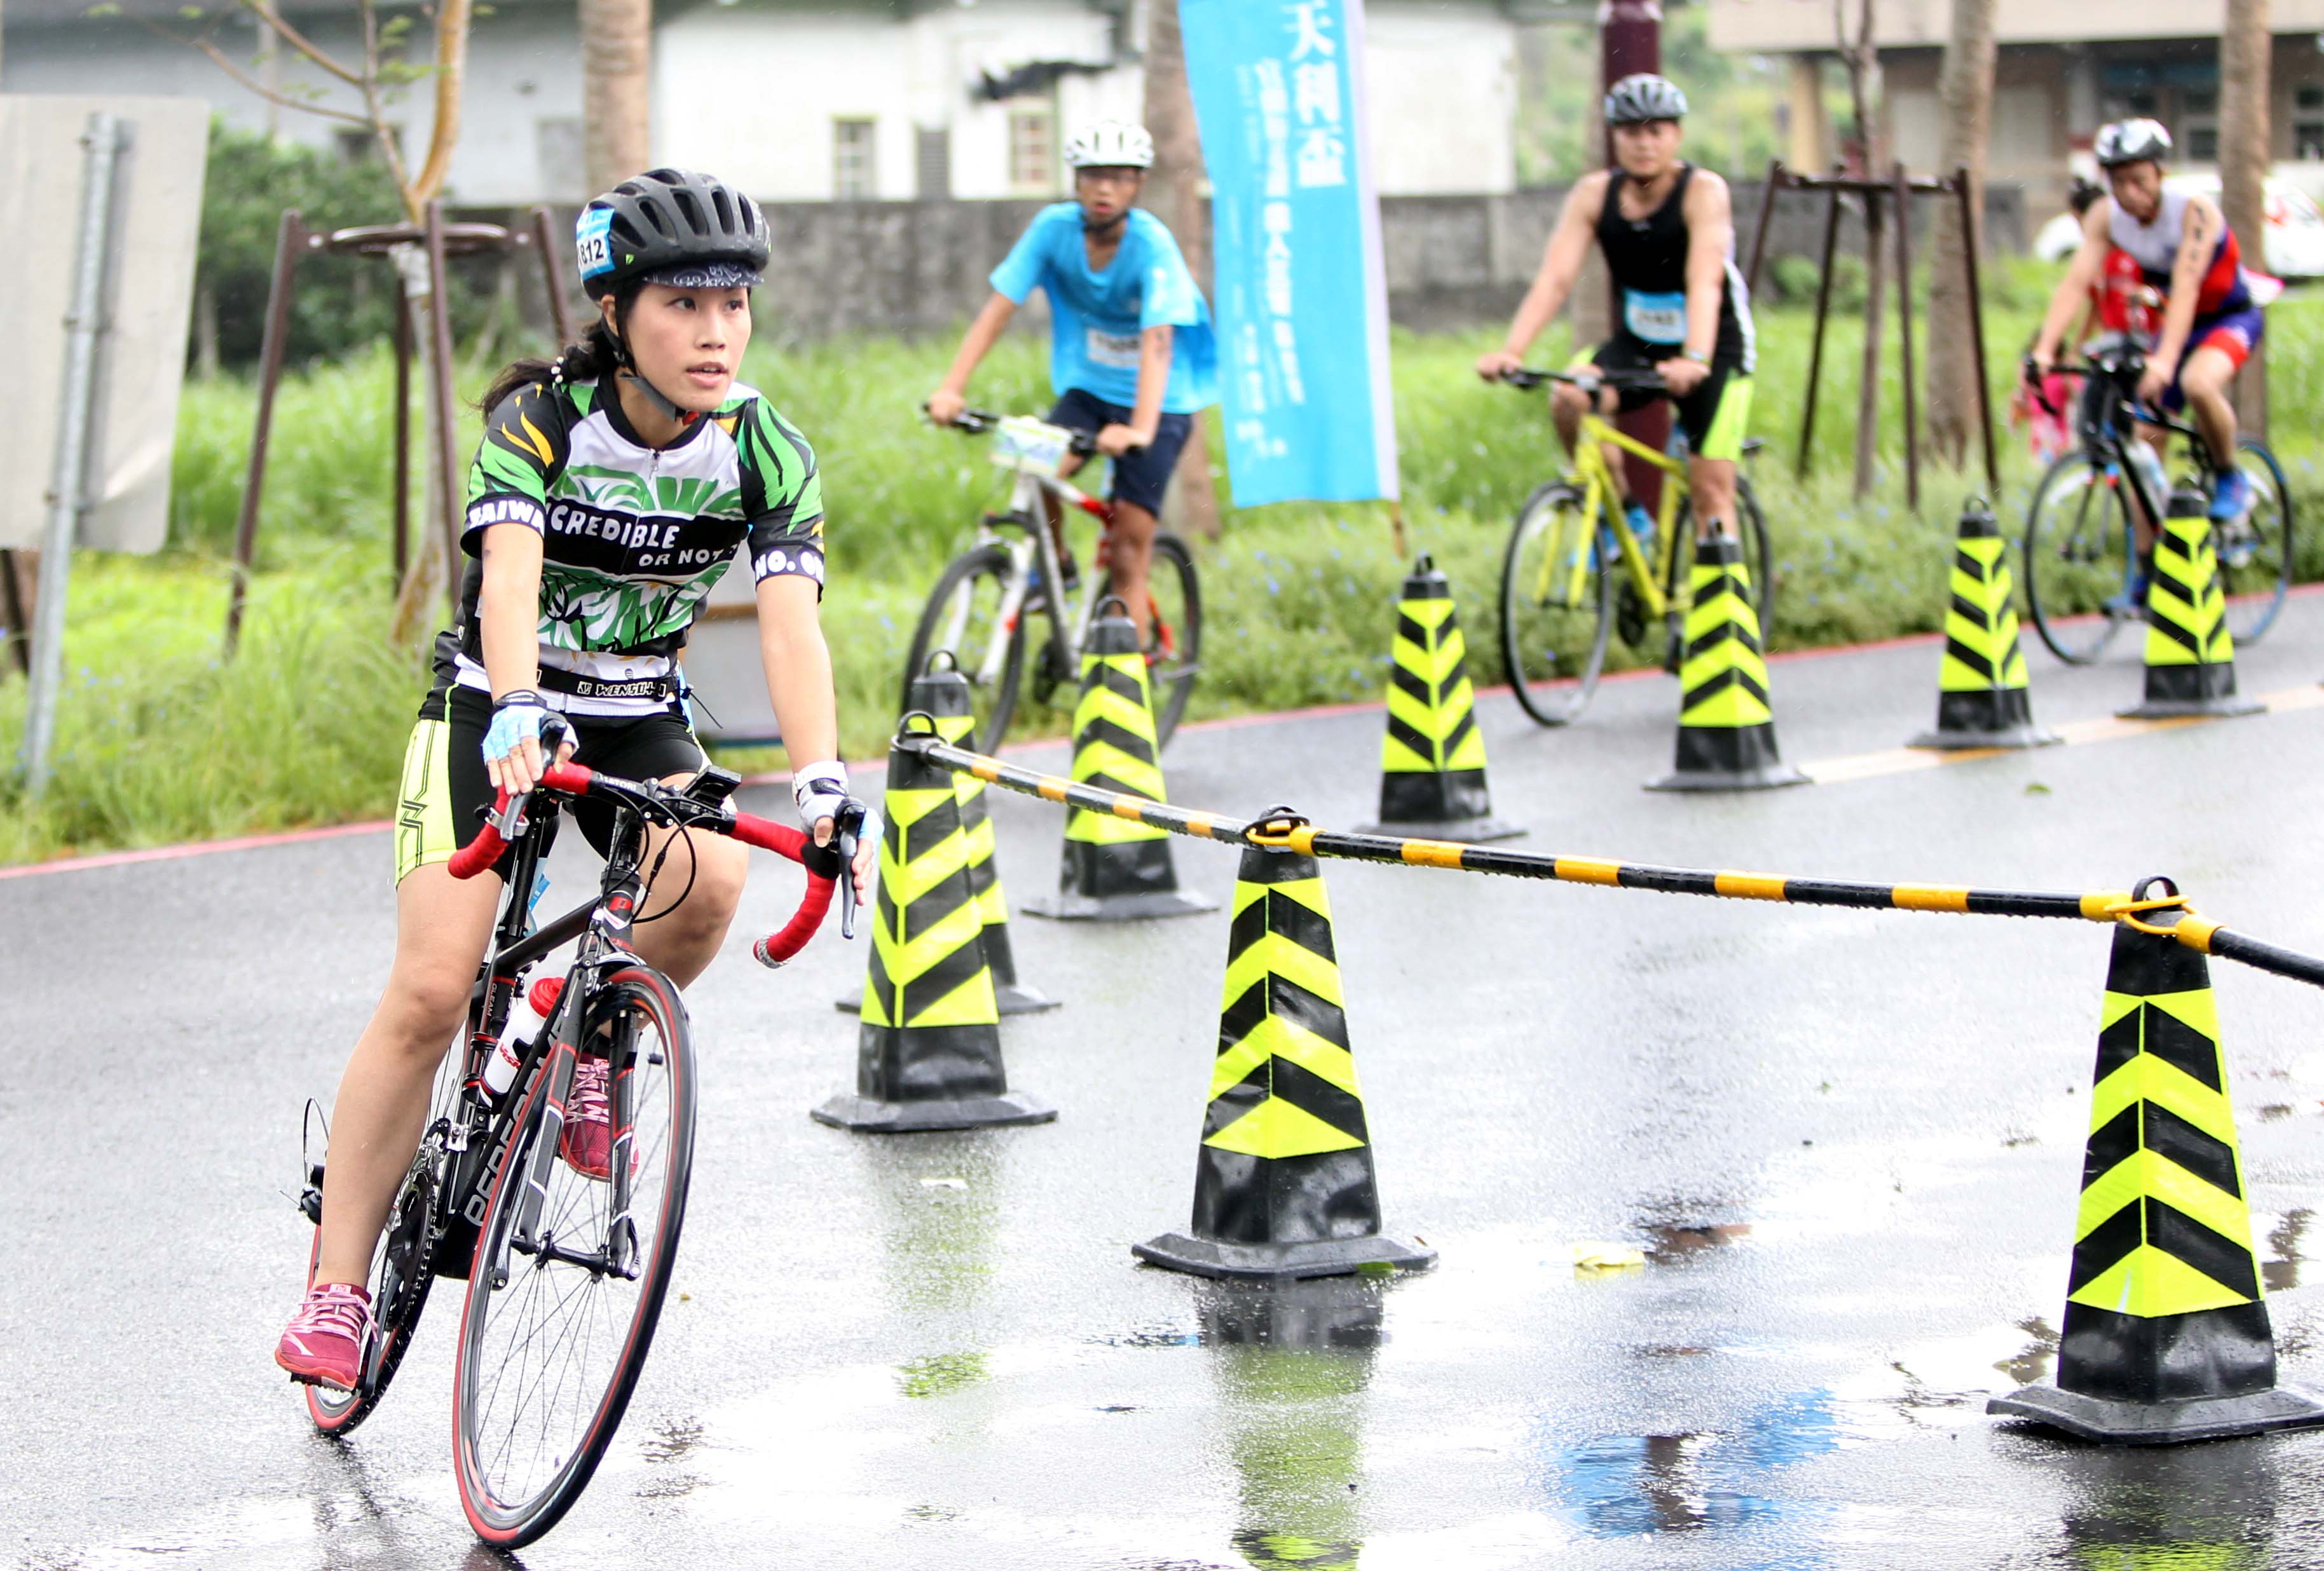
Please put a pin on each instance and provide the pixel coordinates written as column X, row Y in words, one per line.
column 2281, row 1269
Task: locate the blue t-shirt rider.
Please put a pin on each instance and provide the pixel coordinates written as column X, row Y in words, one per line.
column 1131, row 355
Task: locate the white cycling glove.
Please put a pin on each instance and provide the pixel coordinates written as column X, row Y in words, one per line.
column 820, row 790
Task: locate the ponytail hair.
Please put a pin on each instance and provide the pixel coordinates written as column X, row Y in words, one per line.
column 597, row 356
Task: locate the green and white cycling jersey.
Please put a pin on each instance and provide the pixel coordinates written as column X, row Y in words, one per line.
column 633, row 537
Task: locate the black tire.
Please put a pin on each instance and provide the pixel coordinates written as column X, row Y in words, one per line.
column 2075, row 557
column 402, row 1265
column 567, row 1410
column 1174, row 640
column 1554, row 635
column 960, row 610
column 2257, row 551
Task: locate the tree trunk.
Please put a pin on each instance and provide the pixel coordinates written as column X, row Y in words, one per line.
column 1863, row 90
column 205, row 331
column 1178, row 193
column 417, row 597
column 2244, row 145
column 1965, row 93
column 617, row 55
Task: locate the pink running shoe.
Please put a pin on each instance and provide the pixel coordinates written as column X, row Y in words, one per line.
column 327, row 1339
column 586, row 1144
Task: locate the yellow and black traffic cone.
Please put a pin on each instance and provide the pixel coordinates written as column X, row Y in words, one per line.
column 2166, row 1335
column 1283, row 1182
column 1982, row 701
column 2190, row 655
column 929, row 1050
column 943, row 695
column 1433, row 758
column 1116, row 870
column 1726, row 731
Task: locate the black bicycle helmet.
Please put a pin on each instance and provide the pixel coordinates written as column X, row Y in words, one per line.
column 670, row 226
column 1635, row 100
column 2132, row 142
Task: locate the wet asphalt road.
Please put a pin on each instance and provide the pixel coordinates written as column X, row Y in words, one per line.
column 1850, row 1143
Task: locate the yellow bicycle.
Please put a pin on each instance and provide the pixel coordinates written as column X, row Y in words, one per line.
column 1561, row 595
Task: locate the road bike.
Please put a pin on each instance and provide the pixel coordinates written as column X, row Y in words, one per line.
column 1020, row 569
column 2080, row 553
column 1561, row 595
column 566, row 1273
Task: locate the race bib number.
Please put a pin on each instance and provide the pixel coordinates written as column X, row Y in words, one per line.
column 589, row 242
column 1033, row 445
column 1656, row 318
column 1113, row 351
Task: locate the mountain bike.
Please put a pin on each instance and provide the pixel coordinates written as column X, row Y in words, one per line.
column 1574, row 572
column 566, row 1273
column 980, row 604
column 2080, row 553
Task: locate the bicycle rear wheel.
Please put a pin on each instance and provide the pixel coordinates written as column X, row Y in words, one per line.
column 2076, row 557
column 962, row 619
column 2255, row 551
column 1556, row 609
column 1174, row 638
column 402, row 1267
column 554, row 1335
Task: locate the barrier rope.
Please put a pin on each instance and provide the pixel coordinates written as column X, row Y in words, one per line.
column 1281, row 828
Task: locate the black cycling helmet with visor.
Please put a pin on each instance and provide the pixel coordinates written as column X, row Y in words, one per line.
column 673, row 228
column 1638, row 99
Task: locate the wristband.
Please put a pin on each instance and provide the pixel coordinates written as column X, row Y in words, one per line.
column 819, row 790
column 1690, row 355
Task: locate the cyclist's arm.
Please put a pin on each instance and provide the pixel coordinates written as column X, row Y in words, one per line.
column 2195, row 245
column 982, row 334
column 1711, row 241
column 1154, row 348
column 508, row 607
column 2073, row 291
column 1560, row 265
column 798, row 668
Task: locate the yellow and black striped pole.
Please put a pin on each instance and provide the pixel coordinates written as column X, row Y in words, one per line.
column 1982, row 699
column 943, row 695
column 929, row 1050
column 1433, row 758
column 1726, row 731
column 2166, row 1336
column 2190, row 654
column 1117, row 868
column 1283, row 1182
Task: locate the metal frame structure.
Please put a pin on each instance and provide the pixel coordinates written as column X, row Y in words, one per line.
column 438, row 241
column 1897, row 190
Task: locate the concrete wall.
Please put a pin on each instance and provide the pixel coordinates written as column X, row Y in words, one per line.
column 1769, row 26
column 920, row 267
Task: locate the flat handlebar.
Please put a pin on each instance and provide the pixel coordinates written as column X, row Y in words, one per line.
column 977, row 422
column 1647, row 381
column 825, row 865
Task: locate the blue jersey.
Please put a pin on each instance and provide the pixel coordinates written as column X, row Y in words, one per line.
column 1097, row 317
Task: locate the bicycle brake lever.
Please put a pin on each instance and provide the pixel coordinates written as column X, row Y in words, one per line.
column 845, row 841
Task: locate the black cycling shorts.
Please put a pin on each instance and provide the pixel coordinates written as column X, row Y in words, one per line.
column 1141, row 476
column 447, row 793
column 1713, row 416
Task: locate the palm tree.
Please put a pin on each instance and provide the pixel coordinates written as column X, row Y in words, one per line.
column 2244, row 148
column 617, row 55
column 1965, row 92
column 1175, row 192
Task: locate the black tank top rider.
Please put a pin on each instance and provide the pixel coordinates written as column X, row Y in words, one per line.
column 1648, row 258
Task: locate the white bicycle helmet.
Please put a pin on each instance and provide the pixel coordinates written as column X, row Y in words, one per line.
column 2132, row 142
column 1637, row 99
column 1111, row 145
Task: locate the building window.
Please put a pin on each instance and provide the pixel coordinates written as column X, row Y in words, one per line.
column 850, row 160
column 357, row 146
column 1033, row 149
column 2307, row 123
column 932, row 156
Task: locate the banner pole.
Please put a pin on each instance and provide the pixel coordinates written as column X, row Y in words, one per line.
column 75, row 410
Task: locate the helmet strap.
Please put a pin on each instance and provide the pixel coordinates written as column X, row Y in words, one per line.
column 1110, row 226
column 654, row 395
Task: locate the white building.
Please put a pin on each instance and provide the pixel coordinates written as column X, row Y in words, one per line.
column 796, row 100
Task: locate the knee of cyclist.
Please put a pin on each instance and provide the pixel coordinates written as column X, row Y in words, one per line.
column 427, row 1009
column 709, row 904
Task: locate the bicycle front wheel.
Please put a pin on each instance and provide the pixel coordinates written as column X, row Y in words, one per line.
column 2255, row 551
column 1556, row 609
column 2076, row 558
column 569, row 1275
column 962, row 619
column 1174, row 638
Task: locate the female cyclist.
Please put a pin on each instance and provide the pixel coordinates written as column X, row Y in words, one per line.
column 612, row 486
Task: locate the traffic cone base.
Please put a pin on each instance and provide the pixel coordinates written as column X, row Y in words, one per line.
column 1118, row 882
column 2165, row 1336
column 1433, row 758
column 1283, row 1182
column 868, row 1115
column 1215, row 1257
column 2190, row 654
column 1982, row 702
column 1726, row 730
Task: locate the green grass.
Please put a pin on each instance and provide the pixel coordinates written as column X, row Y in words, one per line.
column 160, row 742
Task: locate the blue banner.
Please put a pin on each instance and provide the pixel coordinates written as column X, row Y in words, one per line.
column 1301, row 292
